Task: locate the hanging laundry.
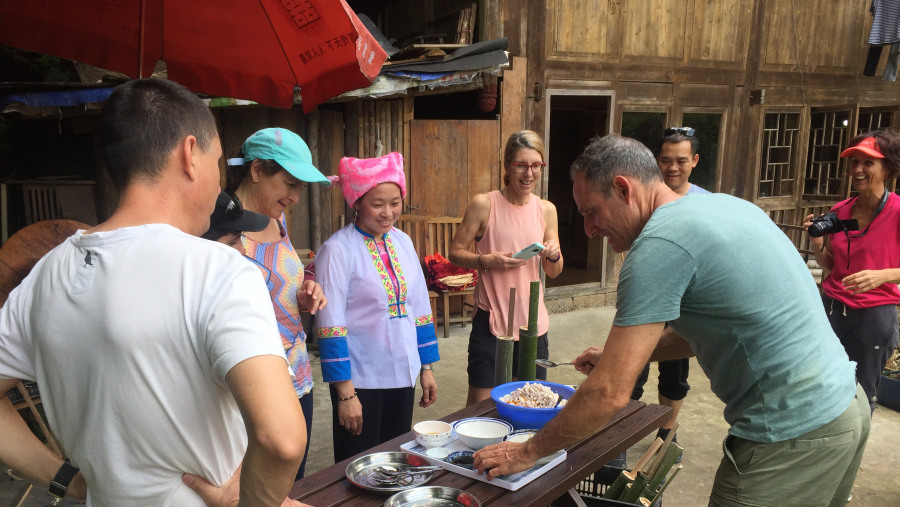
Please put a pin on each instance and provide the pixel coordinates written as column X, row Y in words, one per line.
column 885, row 32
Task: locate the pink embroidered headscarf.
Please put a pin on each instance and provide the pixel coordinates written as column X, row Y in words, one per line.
column 356, row 176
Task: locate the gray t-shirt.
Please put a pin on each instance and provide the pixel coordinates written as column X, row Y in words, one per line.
column 730, row 283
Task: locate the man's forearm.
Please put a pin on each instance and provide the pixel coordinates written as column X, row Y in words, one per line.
column 21, row 450
column 587, row 411
column 266, row 478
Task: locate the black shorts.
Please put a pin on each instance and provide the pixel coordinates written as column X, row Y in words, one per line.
column 483, row 350
column 673, row 379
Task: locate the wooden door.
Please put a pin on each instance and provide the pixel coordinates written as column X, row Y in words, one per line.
column 449, row 162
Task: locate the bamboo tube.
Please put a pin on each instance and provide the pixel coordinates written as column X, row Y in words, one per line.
column 616, row 489
column 662, row 488
column 633, row 491
column 533, row 304
column 512, row 312
column 528, row 337
column 527, row 355
column 505, row 344
column 503, row 363
column 657, row 459
column 665, row 464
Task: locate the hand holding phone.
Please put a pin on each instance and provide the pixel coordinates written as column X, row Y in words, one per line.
column 528, row 252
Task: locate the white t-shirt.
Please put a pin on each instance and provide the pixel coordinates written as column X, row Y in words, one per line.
column 130, row 334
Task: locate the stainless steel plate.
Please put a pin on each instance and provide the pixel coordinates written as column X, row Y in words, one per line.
column 360, row 471
column 433, row 496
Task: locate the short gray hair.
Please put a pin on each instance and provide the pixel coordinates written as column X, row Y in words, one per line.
column 606, row 157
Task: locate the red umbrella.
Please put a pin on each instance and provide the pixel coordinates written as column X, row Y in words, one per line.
column 249, row 49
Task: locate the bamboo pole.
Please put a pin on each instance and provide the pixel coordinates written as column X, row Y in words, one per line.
column 665, row 465
column 528, row 337
column 315, row 201
column 646, row 502
column 504, row 349
column 617, row 488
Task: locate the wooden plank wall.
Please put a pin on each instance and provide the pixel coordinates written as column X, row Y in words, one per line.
column 453, row 160
column 695, row 56
column 368, row 123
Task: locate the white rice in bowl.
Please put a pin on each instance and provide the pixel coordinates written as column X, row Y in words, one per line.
column 532, row 396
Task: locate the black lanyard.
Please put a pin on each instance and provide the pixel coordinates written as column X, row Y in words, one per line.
column 881, row 206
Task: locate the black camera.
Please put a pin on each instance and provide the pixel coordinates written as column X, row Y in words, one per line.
column 829, row 223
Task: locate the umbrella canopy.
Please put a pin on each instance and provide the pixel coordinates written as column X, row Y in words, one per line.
column 248, row 49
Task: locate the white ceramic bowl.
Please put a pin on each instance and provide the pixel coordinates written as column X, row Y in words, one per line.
column 478, row 433
column 432, row 433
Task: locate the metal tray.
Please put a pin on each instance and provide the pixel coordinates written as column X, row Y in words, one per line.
column 359, row 471
column 433, row 496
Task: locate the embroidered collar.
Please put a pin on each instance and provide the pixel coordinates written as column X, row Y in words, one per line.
column 366, row 234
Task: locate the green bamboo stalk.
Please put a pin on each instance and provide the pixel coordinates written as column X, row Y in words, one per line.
column 504, row 357
column 616, row 489
column 533, row 305
column 665, row 464
column 634, row 490
column 528, row 337
column 527, row 355
column 650, row 498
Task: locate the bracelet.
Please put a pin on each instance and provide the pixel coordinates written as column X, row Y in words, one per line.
column 480, row 265
column 348, row 397
column 558, row 257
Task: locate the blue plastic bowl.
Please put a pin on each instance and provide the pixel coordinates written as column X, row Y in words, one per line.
column 524, row 417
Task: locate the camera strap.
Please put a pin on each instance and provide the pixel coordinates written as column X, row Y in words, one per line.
column 881, row 205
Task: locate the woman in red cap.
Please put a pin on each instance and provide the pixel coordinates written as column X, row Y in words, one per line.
column 862, row 260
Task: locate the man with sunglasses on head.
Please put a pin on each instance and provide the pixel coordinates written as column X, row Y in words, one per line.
column 156, row 351
column 676, row 159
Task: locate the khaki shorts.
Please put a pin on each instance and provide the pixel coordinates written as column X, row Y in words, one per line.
column 815, row 469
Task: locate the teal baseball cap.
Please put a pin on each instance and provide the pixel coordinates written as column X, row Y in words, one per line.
column 286, row 148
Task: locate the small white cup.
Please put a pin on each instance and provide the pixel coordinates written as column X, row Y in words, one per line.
column 432, row 433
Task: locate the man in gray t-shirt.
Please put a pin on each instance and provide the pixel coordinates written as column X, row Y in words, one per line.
column 737, row 294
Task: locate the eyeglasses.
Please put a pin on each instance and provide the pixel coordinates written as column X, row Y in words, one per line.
column 685, row 131
column 234, row 208
column 535, row 167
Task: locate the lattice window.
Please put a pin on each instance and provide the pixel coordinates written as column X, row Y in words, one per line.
column 827, row 137
column 780, row 133
column 873, row 120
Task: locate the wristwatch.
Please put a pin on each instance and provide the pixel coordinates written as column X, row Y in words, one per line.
column 427, row 367
column 60, row 483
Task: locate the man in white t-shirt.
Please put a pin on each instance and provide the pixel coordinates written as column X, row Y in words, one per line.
column 156, row 351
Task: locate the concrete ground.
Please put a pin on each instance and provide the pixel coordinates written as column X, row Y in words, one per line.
column 701, row 432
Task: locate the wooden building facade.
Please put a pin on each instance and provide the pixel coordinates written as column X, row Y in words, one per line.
column 775, row 90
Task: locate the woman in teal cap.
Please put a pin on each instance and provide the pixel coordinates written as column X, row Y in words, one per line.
column 268, row 177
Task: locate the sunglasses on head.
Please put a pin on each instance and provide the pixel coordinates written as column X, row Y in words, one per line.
column 685, row 131
column 234, row 208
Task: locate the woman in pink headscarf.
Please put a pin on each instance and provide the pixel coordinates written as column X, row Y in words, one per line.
column 377, row 333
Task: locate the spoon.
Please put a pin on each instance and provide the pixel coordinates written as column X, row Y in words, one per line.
column 558, row 400
column 546, row 363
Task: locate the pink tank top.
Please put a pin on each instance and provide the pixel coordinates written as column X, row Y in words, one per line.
column 511, row 228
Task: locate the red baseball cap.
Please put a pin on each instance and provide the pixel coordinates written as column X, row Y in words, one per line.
column 866, row 147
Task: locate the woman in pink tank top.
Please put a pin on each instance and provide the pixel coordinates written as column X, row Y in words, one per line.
column 501, row 223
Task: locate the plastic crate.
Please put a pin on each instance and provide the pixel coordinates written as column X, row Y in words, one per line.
column 592, row 488
column 888, row 393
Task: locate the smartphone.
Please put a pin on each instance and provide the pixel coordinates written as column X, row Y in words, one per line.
column 529, row 251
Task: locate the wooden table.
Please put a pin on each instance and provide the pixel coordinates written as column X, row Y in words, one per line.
column 329, row 487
